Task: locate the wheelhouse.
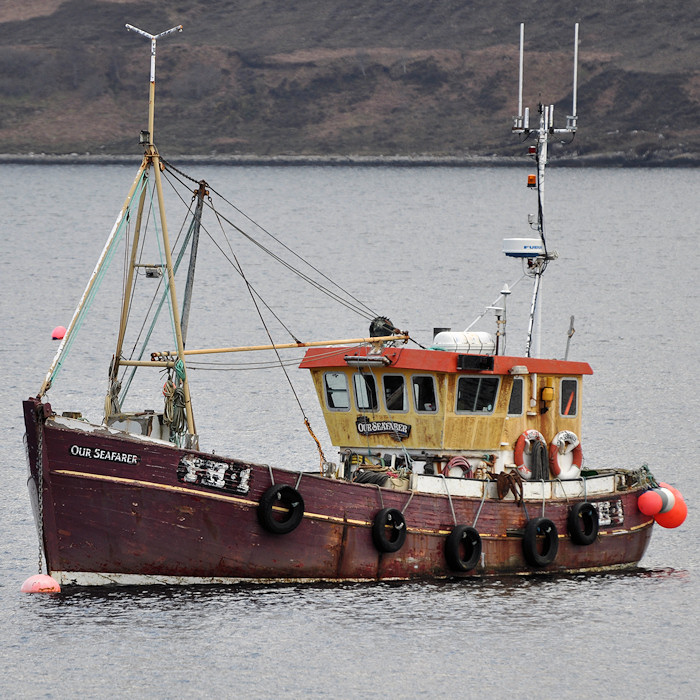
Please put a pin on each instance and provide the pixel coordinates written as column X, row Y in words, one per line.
column 434, row 404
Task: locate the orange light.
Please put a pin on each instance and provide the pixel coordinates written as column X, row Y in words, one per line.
column 532, row 180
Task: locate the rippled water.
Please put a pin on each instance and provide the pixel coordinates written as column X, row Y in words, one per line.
column 423, row 247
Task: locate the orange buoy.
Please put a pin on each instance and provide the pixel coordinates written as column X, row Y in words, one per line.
column 41, row 583
column 677, row 514
column 58, row 333
column 675, row 517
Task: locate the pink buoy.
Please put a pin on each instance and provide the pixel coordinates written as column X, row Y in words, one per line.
column 58, row 333
column 41, row 583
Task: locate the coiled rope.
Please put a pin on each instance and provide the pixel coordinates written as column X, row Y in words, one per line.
column 174, row 411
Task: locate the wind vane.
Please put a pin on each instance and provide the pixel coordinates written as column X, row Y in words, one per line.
column 152, row 92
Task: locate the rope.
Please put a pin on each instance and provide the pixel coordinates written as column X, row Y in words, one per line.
column 647, row 477
column 93, row 287
column 454, row 517
column 563, row 490
column 481, row 505
column 112, row 404
column 543, row 498
column 321, row 456
column 410, row 498
column 174, row 411
column 381, row 496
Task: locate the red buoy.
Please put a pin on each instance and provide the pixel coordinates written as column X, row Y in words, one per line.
column 41, row 583
column 650, row 502
column 58, row 333
column 676, row 515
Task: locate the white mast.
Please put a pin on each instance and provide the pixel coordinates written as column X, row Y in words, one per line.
column 521, row 125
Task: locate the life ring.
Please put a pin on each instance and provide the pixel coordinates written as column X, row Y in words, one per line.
column 523, row 449
column 283, row 497
column 582, row 523
column 536, row 529
column 389, row 530
column 566, row 442
column 463, row 548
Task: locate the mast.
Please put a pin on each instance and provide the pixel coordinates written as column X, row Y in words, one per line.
column 196, row 224
column 545, row 128
column 153, row 162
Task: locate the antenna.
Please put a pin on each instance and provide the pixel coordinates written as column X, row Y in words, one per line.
column 152, row 92
column 519, row 118
column 521, row 123
column 533, row 249
column 571, row 119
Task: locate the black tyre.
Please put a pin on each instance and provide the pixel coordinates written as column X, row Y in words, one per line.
column 541, row 542
column 463, row 548
column 583, row 523
column 389, row 530
column 280, row 509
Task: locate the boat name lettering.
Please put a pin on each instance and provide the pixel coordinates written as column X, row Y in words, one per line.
column 368, row 427
column 104, row 455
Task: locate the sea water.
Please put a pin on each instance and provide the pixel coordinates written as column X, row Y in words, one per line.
column 423, row 247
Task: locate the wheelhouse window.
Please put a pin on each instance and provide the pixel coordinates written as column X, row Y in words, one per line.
column 477, row 394
column 515, row 405
column 424, row 394
column 395, row 392
column 568, row 393
column 337, row 393
column 365, row 392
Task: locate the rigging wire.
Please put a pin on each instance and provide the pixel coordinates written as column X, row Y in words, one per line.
column 251, row 291
column 228, row 259
column 367, row 312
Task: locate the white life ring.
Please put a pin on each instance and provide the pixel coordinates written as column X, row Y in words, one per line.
column 523, row 451
column 564, row 443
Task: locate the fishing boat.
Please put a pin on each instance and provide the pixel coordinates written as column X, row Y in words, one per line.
column 454, row 459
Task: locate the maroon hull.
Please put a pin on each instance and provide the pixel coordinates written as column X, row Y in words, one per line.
column 126, row 509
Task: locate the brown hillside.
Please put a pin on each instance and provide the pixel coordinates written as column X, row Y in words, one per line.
column 372, row 77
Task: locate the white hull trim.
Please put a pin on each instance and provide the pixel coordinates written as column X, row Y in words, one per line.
column 91, row 578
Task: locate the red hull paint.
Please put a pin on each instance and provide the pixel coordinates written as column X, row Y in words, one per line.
column 106, row 516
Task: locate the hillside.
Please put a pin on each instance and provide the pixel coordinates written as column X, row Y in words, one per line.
column 371, row 77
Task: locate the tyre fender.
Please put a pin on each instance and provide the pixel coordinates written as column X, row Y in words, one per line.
column 280, row 496
column 389, row 530
column 463, row 548
column 582, row 523
column 536, row 529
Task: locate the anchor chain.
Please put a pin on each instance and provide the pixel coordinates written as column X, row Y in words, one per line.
column 40, row 486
